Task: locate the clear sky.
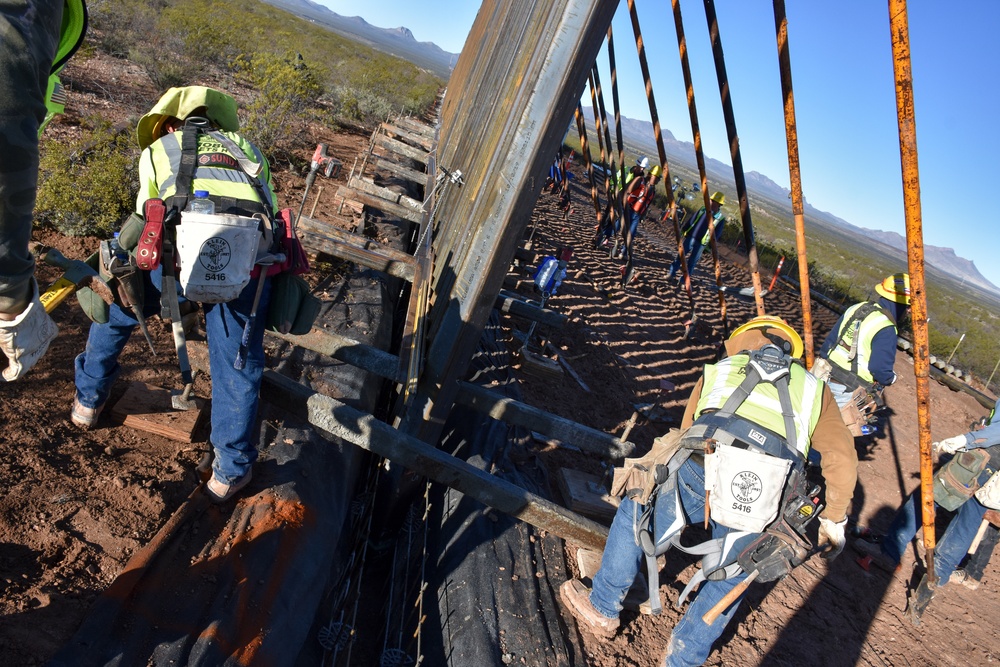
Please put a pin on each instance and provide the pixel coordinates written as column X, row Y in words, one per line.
column 841, row 57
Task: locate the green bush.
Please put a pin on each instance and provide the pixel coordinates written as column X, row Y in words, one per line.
column 88, row 187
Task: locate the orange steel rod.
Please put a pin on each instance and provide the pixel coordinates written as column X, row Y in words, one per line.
column 734, row 149
column 699, row 157
column 614, row 101
column 900, row 31
column 585, row 149
column 794, row 174
column 657, row 134
column 612, row 204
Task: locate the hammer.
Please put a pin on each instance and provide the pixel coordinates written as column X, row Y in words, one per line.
column 76, row 274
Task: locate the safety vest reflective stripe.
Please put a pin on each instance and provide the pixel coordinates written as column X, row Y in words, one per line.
column 762, row 406
column 165, row 154
column 871, row 325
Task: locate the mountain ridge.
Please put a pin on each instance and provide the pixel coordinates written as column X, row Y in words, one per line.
column 394, row 41
column 640, row 132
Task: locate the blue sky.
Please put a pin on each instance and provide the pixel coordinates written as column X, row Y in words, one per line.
column 844, row 96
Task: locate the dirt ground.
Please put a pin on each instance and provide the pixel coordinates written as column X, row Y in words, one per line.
column 78, row 504
column 627, row 345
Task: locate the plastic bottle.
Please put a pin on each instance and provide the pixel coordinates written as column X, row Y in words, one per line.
column 116, row 248
column 545, row 273
column 867, row 429
column 201, row 203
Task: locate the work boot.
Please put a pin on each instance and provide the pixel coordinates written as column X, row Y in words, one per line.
column 576, row 597
column 872, row 554
column 83, row 416
column 962, row 577
column 220, row 492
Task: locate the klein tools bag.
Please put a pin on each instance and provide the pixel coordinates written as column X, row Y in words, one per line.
column 744, row 487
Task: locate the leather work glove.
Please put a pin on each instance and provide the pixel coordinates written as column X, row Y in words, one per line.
column 25, row 339
column 831, row 537
column 951, row 445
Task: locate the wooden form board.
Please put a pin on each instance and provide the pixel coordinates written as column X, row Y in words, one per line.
column 149, row 409
column 583, row 493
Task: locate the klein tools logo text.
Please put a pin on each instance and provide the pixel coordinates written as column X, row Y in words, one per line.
column 215, row 254
column 747, row 486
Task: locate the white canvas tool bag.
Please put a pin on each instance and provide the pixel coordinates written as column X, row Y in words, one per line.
column 744, row 487
column 989, row 493
column 216, row 254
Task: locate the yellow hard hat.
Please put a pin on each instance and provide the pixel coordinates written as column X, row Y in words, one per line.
column 773, row 326
column 656, row 170
column 895, row 288
column 718, row 198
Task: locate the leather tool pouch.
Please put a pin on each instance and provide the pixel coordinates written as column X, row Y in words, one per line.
column 639, row 477
column 293, row 308
column 958, row 479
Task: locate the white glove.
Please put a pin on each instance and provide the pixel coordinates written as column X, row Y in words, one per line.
column 25, row 339
column 951, row 445
column 831, row 537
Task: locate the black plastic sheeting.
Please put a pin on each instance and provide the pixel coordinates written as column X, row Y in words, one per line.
column 241, row 584
column 493, row 576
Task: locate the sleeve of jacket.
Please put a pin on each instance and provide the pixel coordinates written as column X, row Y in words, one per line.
column 692, row 403
column 839, row 459
column 883, row 358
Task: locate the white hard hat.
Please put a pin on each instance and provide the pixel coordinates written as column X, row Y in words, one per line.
column 643, row 162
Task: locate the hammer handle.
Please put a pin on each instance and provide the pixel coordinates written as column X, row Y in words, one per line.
column 730, row 597
column 56, row 294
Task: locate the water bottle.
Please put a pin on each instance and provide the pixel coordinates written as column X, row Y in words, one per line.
column 201, row 203
column 545, row 273
column 117, row 250
column 868, row 429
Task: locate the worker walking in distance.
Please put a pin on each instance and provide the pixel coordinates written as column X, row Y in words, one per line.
column 738, row 465
column 191, row 146
column 36, row 39
column 858, row 355
column 637, row 197
column 968, row 485
column 697, row 232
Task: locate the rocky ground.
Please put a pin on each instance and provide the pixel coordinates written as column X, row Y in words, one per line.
column 78, row 504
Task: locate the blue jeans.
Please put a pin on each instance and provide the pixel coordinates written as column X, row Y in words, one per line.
column 692, row 250
column 952, row 546
column 234, row 393
column 691, row 640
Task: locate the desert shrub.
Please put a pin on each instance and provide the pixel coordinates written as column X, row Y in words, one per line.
column 283, row 88
column 87, row 187
column 119, row 27
column 361, row 105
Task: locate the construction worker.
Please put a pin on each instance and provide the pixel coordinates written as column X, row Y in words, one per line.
column 858, row 355
column 697, row 231
column 619, row 181
column 735, row 410
column 36, row 39
column 637, row 197
column 202, row 121
column 958, row 537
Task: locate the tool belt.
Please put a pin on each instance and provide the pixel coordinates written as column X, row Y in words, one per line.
column 966, row 474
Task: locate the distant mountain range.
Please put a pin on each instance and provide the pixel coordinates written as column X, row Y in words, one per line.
column 639, row 134
column 394, row 41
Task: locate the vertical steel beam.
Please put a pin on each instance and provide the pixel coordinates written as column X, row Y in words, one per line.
column 900, row 31
column 699, row 157
column 794, row 173
column 734, row 150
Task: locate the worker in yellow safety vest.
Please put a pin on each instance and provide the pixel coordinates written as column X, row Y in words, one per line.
column 737, row 465
column 697, row 232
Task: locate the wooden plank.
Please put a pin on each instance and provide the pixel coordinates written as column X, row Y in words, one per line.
column 417, row 139
column 364, row 430
column 380, row 261
column 415, row 126
column 391, row 196
column 584, row 494
column 148, row 408
column 379, row 203
column 419, row 177
column 398, row 147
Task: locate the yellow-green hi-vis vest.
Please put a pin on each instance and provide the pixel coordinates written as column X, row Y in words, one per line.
column 870, row 325
column 762, row 406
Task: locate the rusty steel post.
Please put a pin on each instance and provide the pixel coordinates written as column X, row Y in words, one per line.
column 612, row 204
column 794, row 174
column 734, row 149
column 699, row 157
column 658, row 135
column 597, row 118
column 614, row 101
column 581, row 125
column 900, row 31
